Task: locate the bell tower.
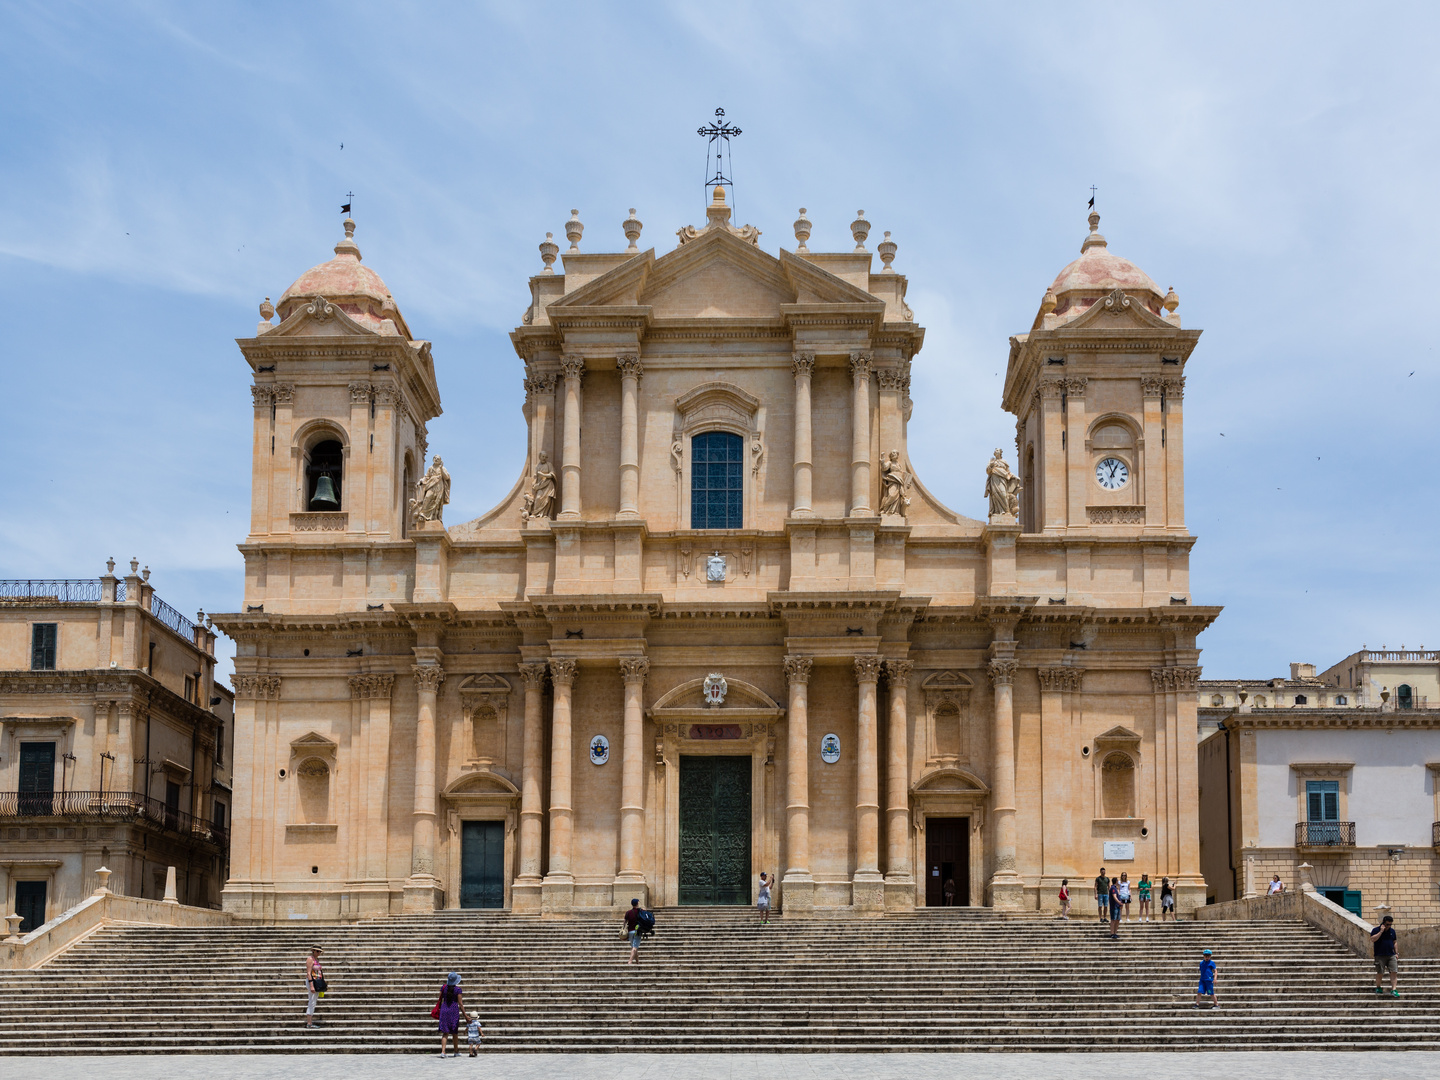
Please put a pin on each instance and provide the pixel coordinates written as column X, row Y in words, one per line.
column 342, row 394
column 1097, row 387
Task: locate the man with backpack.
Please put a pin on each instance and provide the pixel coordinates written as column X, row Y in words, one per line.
column 638, row 921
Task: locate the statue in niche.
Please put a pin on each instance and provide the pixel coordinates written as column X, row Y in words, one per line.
column 895, row 481
column 431, row 493
column 1002, row 486
column 540, row 500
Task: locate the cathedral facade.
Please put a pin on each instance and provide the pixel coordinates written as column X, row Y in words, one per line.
column 718, row 626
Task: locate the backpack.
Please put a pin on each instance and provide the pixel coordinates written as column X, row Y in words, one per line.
column 646, row 924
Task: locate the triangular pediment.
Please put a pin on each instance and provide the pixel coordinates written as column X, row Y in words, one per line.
column 717, row 274
column 313, row 741
column 1118, row 311
column 948, row 680
column 319, row 318
column 484, row 684
column 814, row 285
column 1118, row 734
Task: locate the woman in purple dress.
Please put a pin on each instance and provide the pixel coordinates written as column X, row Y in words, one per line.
column 447, row 1012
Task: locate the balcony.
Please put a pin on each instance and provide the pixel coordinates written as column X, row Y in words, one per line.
column 122, row 807
column 1325, row 834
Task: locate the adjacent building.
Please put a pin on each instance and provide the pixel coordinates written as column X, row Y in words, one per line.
column 115, row 745
column 1344, row 794
column 719, row 625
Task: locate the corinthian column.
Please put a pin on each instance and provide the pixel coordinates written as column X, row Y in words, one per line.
column 559, row 883
column 798, row 887
column 867, row 889
column 525, row 894
column 632, row 777
column 860, row 436
column 574, row 369
column 420, row 886
column 1005, row 887
column 898, row 870
column 629, row 365
column 804, row 365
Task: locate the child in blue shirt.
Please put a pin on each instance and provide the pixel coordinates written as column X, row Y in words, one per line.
column 1207, row 981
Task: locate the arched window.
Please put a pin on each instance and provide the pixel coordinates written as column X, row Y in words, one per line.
column 313, row 777
column 1301, row 699
column 1404, row 696
column 717, row 481
column 325, row 460
column 1117, row 778
column 1259, row 701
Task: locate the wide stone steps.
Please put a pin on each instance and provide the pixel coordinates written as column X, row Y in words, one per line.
column 712, row 980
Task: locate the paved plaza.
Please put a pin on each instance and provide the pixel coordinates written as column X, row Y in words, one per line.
column 1299, row 1065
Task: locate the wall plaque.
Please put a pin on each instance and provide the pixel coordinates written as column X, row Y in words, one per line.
column 830, row 749
column 599, row 750
column 1119, row 850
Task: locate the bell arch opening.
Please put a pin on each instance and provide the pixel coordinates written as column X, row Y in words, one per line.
column 324, row 475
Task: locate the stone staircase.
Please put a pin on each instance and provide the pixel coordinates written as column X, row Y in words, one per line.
column 711, row 980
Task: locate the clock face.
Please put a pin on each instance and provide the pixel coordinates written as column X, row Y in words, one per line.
column 1112, row 474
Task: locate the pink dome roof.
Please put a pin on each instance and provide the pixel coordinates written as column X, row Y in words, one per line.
column 359, row 291
column 1097, row 272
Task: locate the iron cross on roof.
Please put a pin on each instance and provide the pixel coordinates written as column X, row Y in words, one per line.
column 718, row 136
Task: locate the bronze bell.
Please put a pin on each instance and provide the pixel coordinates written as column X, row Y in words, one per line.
column 325, row 497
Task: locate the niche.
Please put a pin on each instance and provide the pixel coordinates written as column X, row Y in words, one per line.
column 1117, row 780
column 313, row 781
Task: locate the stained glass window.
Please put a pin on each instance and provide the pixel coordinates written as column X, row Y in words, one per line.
column 717, row 483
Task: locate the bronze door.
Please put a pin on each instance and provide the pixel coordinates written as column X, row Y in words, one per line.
column 947, row 858
column 714, row 830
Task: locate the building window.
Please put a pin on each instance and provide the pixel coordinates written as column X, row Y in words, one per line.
column 1301, row 699
column 1322, row 811
column 189, row 688
column 1340, row 699
column 220, row 743
column 323, row 475
column 1216, row 700
column 1404, row 696
column 43, row 636
column 717, row 481
column 220, row 815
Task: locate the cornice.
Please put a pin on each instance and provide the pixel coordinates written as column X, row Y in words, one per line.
column 1337, row 718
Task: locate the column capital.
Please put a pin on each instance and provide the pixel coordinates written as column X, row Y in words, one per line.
column 1169, row 680
column 1152, row 386
column 860, row 364
column 803, row 362
column 898, row 672
column 428, row 677
column 252, row 686
column 573, row 366
column 1076, row 387
column 360, row 393
column 797, row 669
column 1056, row 679
column 284, row 394
column 371, row 686
column 867, row 669
column 890, row 378
column 563, row 669
column 629, row 365
column 1002, row 672
column 633, row 669
column 533, row 675
column 1175, row 387
column 262, row 395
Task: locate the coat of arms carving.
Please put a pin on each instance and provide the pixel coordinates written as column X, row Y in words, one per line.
column 715, row 689
column 715, row 567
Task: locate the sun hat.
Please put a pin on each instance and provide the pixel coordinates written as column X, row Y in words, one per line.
column 453, row 979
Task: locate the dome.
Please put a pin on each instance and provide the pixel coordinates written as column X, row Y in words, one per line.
column 355, row 289
column 1096, row 273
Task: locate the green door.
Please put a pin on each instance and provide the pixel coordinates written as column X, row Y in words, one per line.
column 482, row 864
column 714, row 830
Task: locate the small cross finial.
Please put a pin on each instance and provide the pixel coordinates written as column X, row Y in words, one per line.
column 349, row 202
column 718, row 136
column 1092, row 196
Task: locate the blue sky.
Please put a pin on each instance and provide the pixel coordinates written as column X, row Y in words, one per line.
column 165, row 166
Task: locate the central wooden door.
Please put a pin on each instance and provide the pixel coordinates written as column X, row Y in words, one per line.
column 714, row 830
column 482, row 864
column 947, row 858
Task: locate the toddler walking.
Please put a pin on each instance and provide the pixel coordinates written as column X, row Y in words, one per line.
column 473, row 1032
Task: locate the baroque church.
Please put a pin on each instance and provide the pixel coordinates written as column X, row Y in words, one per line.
column 719, row 625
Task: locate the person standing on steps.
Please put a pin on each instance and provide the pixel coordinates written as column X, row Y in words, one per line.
column 1125, row 894
column 949, row 889
column 1387, row 957
column 1065, row 899
column 1102, row 894
column 1115, row 909
column 447, row 1013
column 762, row 902
column 314, row 984
column 1167, row 899
column 1143, row 887
column 632, row 930
column 1206, row 988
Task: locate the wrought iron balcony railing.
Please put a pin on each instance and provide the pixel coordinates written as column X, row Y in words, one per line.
column 117, row 806
column 57, row 590
column 1325, row 834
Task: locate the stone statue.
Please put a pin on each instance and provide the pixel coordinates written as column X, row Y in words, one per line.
column 895, row 481
column 1002, row 486
column 431, row 493
column 540, row 501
